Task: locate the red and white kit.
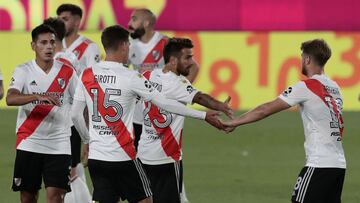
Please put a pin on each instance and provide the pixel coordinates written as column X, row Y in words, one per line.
column 161, row 136
column 86, row 51
column 320, row 106
column 40, row 127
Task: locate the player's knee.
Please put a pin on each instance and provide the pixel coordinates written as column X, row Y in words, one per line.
column 28, row 197
column 55, row 195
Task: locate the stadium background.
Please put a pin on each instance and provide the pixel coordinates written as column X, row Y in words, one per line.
column 246, row 49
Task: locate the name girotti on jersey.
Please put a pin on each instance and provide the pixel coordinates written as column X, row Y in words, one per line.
column 110, row 79
column 58, row 95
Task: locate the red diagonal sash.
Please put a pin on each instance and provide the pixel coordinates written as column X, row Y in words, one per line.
column 156, row 53
column 80, row 50
column 38, row 114
column 119, row 129
column 168, row 142
column 318, row 89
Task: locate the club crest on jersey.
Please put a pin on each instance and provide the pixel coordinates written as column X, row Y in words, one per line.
column 287, row 91
column 156, row 54
column 61, row 82
column 77, row 53
column 17, row 181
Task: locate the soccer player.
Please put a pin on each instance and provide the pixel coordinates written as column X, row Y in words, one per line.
column 1, row 86
column 109, row 90
column 43, row 89
column 146, row 53
column 87, row 53
column 80, row 191
column 320, row 102
column 160, row 146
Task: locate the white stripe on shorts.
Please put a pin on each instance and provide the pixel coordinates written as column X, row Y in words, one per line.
column 304, row 184
column 177, row 174
column 145, row 181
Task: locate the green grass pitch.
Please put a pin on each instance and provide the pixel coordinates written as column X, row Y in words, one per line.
column 256, row 163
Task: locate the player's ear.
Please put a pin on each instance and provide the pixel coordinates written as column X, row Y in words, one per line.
column 146, row 23
column 33, row 45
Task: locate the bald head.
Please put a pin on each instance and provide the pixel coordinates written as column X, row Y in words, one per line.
column 147, row 15
column 142, row 21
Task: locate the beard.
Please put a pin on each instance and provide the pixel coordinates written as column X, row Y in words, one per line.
column 138, row 32
column 184, row 71
column 303, row 70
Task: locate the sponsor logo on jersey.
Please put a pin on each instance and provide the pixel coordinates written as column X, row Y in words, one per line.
column 287, row 92
column 33, row 83
column 97, row 58
column 61, row 82
column 155, row 54
column 190, row 89
column 147, row 84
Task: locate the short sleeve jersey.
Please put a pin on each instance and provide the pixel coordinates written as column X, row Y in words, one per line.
column 41, row 127
column 161, row 137
column 320, row 104
column 145, row 57
column 86, row 51
column 110, row 91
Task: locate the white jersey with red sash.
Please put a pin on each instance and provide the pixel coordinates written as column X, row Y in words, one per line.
column 320, row 106
column 110, row 91
column 146, row 56
column 86, row 51
column 69, row 58
column 161, row 137
column 40, row 127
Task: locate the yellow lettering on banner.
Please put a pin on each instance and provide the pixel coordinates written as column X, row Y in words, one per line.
column 156, row 6
column 100, row 10
column 16, row 12
column 52, row 6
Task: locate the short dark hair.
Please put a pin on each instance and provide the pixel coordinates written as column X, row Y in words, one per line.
column 318, row 49
column 58, row 26
column 72, row 8
column 40, row 29
column 112, row 36
column 174, row 46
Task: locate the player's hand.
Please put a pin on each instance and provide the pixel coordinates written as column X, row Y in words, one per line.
column 85, row 155
column 228, row 111
column 50, row 99
column 212, row 117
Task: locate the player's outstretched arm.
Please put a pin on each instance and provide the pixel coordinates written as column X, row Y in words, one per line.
column 212, row 103
column 77, row 117
column 260, row 112
column 15, row 98
column 212, row 117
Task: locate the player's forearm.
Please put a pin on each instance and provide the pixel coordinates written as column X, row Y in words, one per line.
column 79, row 121
column 18, row 99
column 209, row 102
column 177, row 108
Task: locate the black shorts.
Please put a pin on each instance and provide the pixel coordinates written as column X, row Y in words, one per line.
column 75, row 140
column 320, row 185
column 166, row 181
column 114, row 180
column 31, row 167
column 137, row 133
